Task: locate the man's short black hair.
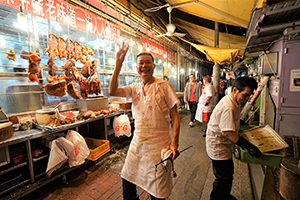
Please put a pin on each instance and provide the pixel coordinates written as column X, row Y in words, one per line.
column 242, row 82
column 193, row 75
column 144, row 53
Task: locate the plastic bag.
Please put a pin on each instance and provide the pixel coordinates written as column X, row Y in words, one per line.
column 69, row 147
column 81, row 149
column 122, row 126
column 57, row 157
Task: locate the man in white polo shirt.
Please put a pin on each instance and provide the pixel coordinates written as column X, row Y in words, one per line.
column 222, row 134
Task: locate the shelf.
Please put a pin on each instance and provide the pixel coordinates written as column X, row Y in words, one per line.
column 14, row 187
column 13, row 168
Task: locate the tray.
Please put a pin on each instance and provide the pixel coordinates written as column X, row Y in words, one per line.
column 265, row 138
column 267, row 159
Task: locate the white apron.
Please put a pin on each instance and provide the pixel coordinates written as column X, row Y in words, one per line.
column 150, row 137
column 199, row 112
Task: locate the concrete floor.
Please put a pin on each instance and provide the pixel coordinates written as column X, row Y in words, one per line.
column 101, row 179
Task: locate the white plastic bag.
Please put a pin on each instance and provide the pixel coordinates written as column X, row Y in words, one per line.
column 122, row 126
column 81, row 149
column 69, row 147
column 57, row 157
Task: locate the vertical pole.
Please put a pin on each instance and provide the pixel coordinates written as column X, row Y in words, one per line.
column 216, row 67
column 178, row 69
column 216, row 80
column 262, row 113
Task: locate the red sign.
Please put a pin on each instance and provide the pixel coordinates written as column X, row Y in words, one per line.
column 69, row 15
column 158, row 51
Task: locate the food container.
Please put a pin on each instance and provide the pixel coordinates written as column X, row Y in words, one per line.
column 44, row 116
column 92, row 103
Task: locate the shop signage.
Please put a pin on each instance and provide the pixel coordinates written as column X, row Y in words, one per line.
column 68, row 14
column 157, row 50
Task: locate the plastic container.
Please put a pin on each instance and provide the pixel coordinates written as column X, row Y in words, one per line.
column 97, row 148
column 268, row 159
column 10, row 183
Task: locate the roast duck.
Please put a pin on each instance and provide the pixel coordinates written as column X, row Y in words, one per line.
column 57, row 85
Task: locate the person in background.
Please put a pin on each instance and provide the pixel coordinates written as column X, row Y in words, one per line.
column 222, row 134
column 206, row 102
column 192, row 94
column 153, row 101
column 222, row 89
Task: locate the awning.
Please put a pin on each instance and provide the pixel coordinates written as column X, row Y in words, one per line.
column 217, row 55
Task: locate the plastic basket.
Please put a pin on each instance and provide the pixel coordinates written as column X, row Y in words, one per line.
column 97, row 148
column 268, row 159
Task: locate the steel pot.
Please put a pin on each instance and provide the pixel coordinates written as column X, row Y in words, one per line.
column 44, row 116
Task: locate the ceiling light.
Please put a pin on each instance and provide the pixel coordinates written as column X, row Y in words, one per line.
column 82, row 39
column 22, row 20
column 165, row 56
column 140, row 48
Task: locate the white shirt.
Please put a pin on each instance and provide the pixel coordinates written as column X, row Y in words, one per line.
column 209, row 91
column 225, row 117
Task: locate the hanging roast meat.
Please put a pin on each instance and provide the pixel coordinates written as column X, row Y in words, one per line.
column 84, row 87
column 62, row 48
column 56, row 88
column 73, row 90
column 77, row 50
column 68, row 68
column 70, row 49
column 50, row 64
column 89, row 68
column 90, row 51
column 52, row 45
column 33, row 68
column 84, row 51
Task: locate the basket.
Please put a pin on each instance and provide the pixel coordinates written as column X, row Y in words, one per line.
column 97, row 148
column 268, row 159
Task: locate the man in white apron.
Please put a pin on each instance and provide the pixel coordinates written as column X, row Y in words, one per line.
column 222, row 134
column 153, row 101
column 206, row 102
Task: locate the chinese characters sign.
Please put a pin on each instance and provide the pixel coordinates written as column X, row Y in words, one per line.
column 68, row 14
column 157, row 50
